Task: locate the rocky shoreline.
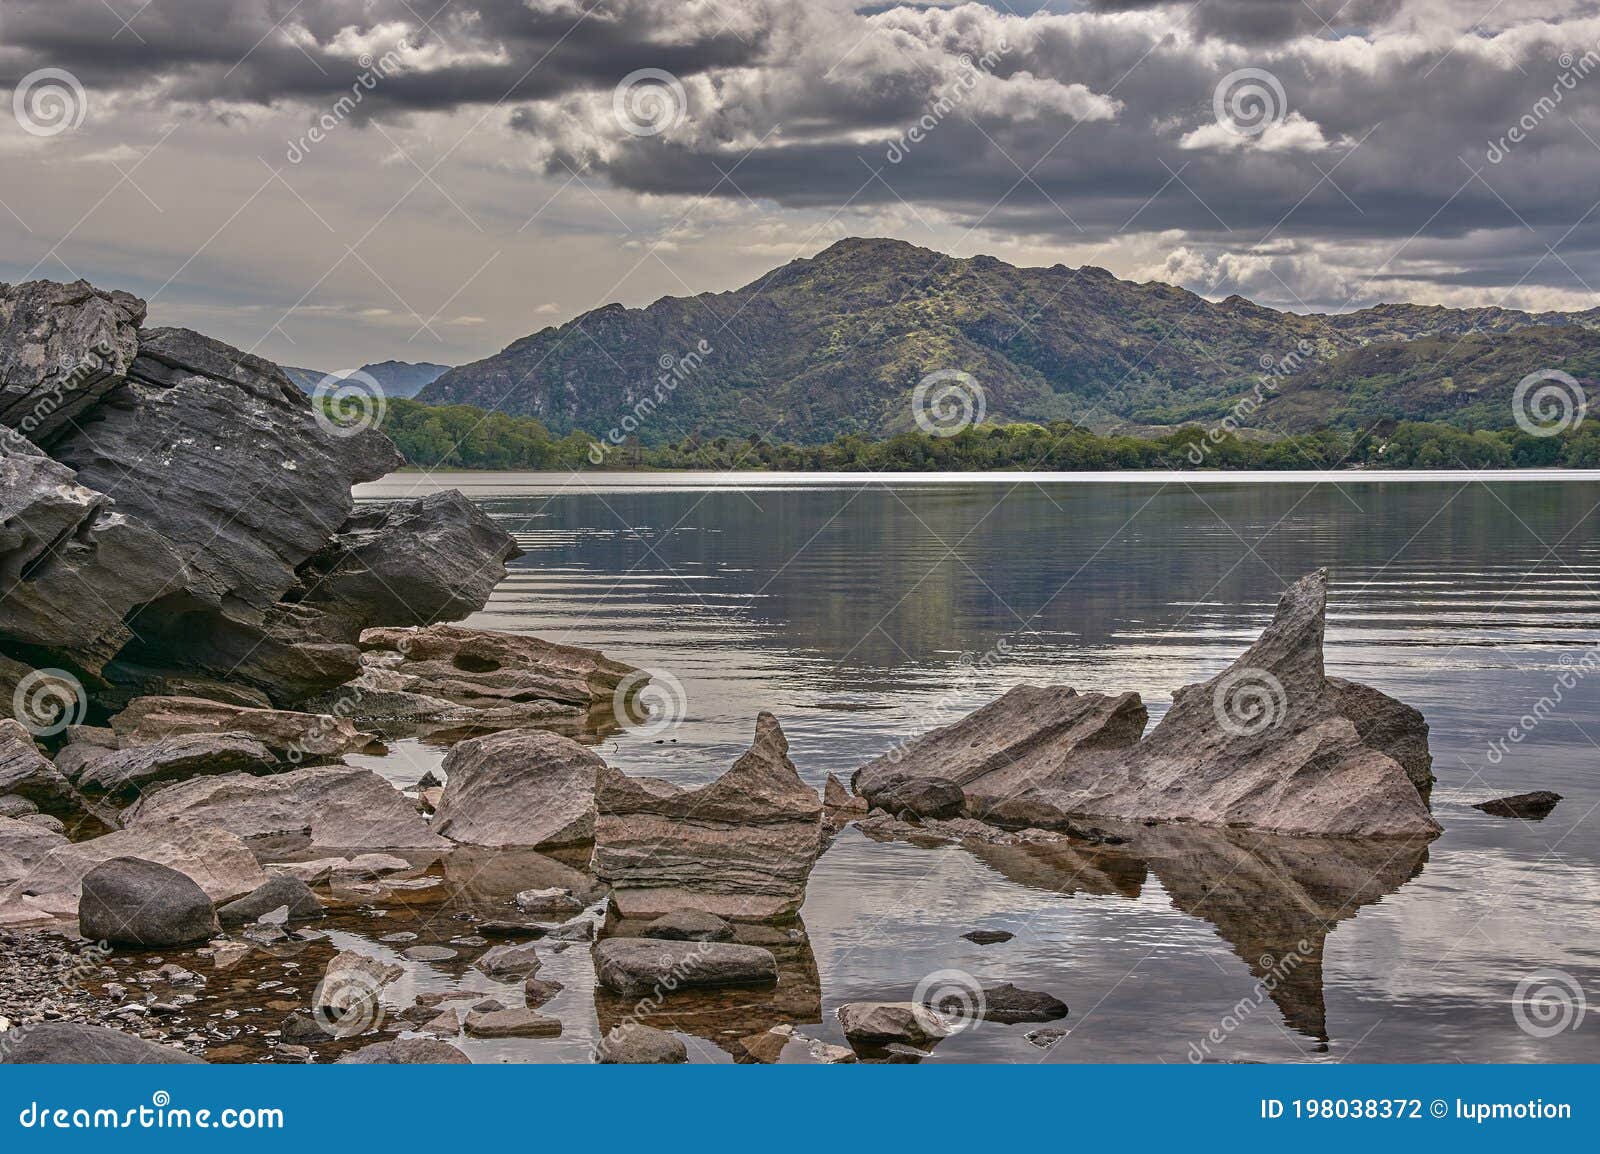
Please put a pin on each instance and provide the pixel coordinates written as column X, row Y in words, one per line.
column 200, row 627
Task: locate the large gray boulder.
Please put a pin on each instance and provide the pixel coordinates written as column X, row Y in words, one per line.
column 175, row 758
column 131, row 902
column 632, row 966
column 64, row 1043
column 740, row 847
column 408, row 563
column 339, row 806
column 520, row 787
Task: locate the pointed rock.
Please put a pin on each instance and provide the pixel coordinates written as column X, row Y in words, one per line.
column 740, row 847
column 522, row 787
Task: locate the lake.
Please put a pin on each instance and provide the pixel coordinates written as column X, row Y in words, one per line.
column 854, row 608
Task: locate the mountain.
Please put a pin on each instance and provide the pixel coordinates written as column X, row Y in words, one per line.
column 836, row 344
column 396, row 378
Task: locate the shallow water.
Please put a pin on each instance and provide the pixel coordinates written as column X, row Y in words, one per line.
column 855, row 611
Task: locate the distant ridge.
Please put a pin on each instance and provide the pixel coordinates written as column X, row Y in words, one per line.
column 397, row 378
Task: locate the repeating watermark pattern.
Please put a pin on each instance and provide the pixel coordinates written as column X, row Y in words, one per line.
column 947, row 401
column 49, row 101
column 1275, row 971
column 675, row 369
column 648, row 1005
column 947, row 100
column 972, row 674
column 1248, row 101
column 61, row 382
column 948, row 1001
column 1548, row 1002
column 47, row 701
column 649, row 702
column 1573, row 70
column 1249, row 701
column 349, row 402
column 1548, row 402
column 1274, row 371
column 649, row 101
column 372, row 72
column 348, row 1003
column 1575, row 667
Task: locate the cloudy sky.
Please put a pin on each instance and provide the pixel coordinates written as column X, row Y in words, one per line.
column 327, row 182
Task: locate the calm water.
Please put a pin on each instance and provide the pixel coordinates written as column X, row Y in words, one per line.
column 849, row 610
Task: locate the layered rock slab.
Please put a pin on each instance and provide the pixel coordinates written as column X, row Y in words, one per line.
column 522, row 787
column 740, row 847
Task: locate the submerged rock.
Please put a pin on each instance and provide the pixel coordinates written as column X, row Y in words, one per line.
column 988, row 937
column 512, row 1023
column 740, row 847
column 1531, row 806
column 522, row 787
column 634, row 1044
column 286, row 892
column 1007, row 1003
column 631, row 966
column 406, row 1052
column 130, row 902
column 881, row 1023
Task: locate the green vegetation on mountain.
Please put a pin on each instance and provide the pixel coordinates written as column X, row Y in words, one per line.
column 462, row 437
column 835, row 345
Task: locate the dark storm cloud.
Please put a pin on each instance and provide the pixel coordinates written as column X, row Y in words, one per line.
column 267, row 51
column 1265, row 21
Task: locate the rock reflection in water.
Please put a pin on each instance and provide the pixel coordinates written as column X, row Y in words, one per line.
column 1273, row 899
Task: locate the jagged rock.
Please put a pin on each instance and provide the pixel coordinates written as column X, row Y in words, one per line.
column 836, row 796
column 217, row 452
column 62, row 1043
column 62, row 347
column 632, row 1043
column 1020, row 738
column 740, row 847
column 688, row 926
column 88, row 563
column 295, row 737
column 881, row 1023
column 632, row 966
column 923, row 797
column 214, row 859
column 131, row 902
column 406, row 1052
column 175, row 758
column 414, row 562
column 278, row 892
column 1533, row 806
column 1263, row 745
column 340, row 806
column 348, row 996
column 509, row 679
column 1387, row 725
column 522, row 787
column 25, row 772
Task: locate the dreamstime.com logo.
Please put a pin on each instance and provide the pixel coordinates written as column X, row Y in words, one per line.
column 49, row 101
column 649, row 702
column 1248, row 101
column 947, row 401
column 649, row 101
column 348, row 402
column 47, row 701
column 1547, row 1003
column 1548, row 402
column 947, row 1002
column 1248, row 702
column 160, row 1114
